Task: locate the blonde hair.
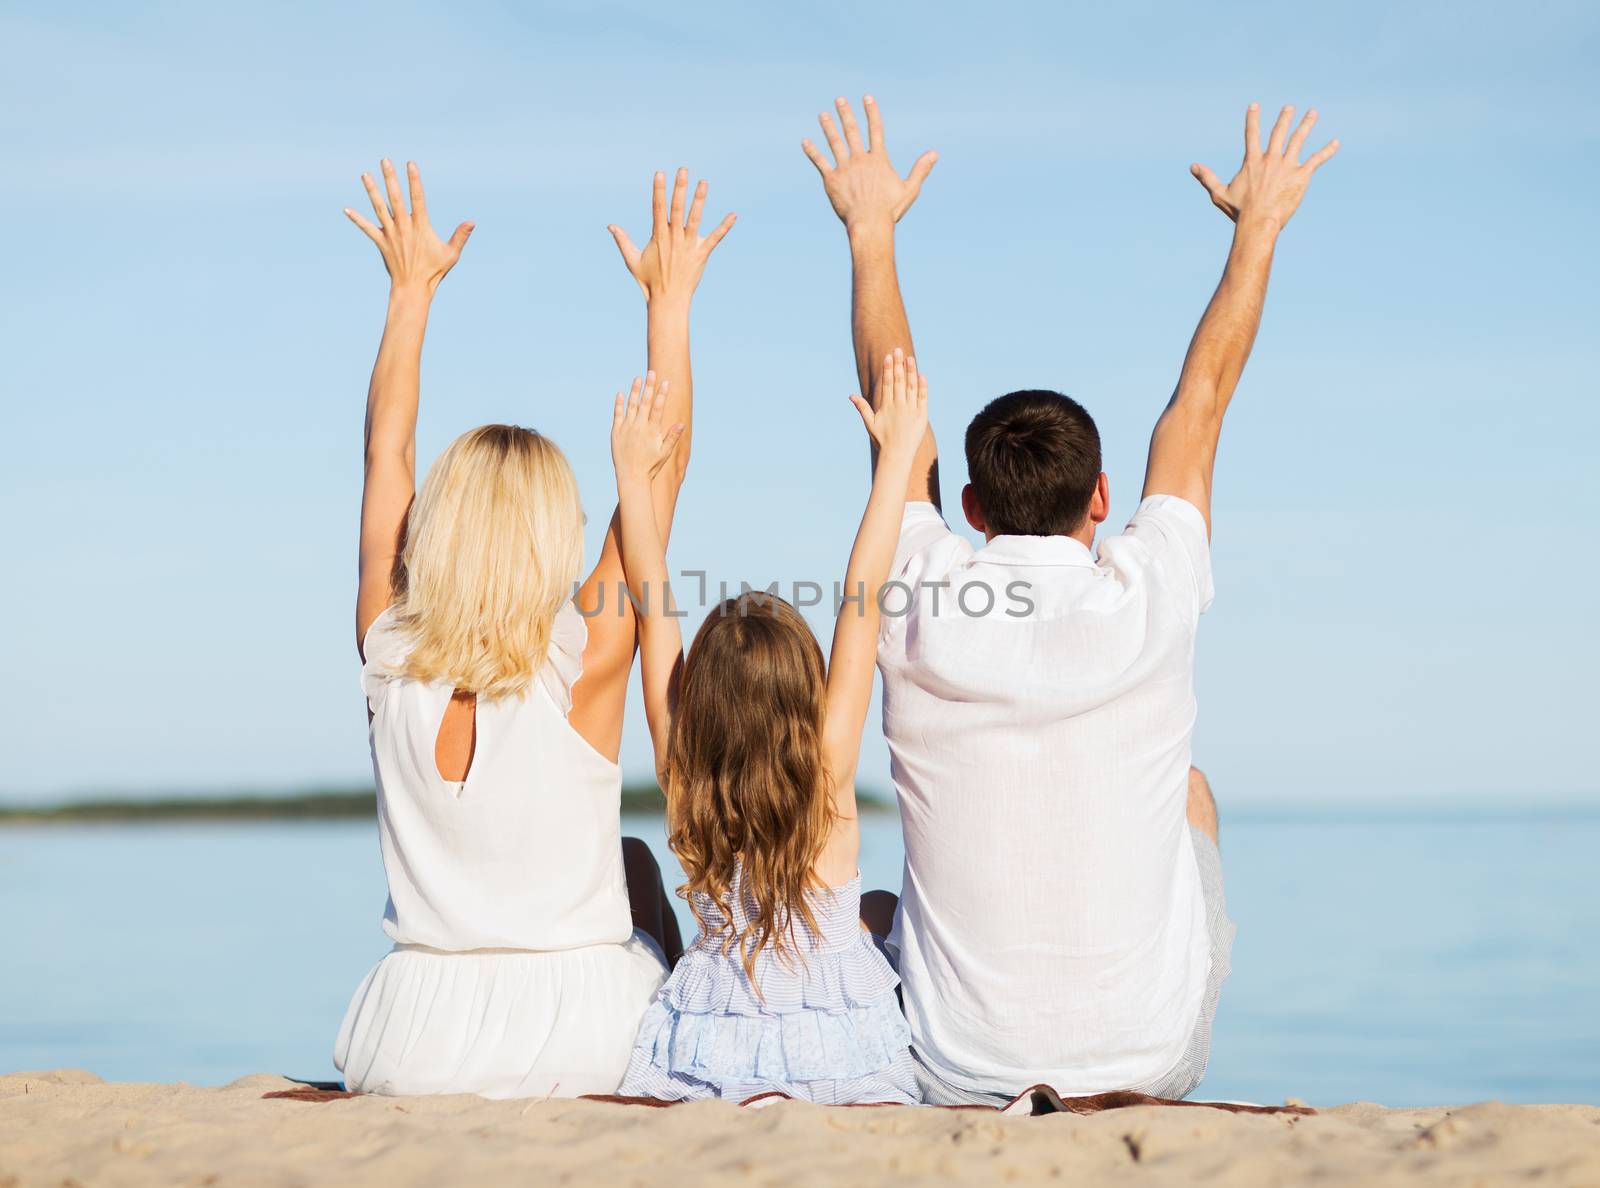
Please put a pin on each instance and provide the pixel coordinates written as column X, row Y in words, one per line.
column 493, row 545
column 746, row 780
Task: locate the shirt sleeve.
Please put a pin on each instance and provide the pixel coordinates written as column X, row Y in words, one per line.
column 384, row 654
column 920, row 527
column 1173, row 531
column 569, row 635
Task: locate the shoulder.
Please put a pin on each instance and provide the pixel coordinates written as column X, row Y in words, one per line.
column 926, row 542
column 1167, row 535
column 569, row 635
column 384, row 649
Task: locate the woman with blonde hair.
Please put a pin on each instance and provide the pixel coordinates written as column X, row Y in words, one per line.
column 517, row 968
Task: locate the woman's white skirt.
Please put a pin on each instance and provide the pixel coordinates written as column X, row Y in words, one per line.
column 498, row 1023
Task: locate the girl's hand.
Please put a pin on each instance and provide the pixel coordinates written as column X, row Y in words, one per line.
column 901, row 418
column 671, row 263
column 641, row 441
column 412, row 252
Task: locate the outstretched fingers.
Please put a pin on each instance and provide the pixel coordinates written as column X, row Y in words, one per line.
column 656, row 395
column 894, row 377
column 391, row 184
column 814, row 155
column 1213, row 184
column 695, row 208
column 647, row 395
column 1252, row 130
column 874, row 125
column 720, row 230
column 680, row 189
column 1322, row 156
column 419, row 200
column 1298, row 140
column 658, row 204
column 835, row 141
column 921, row 167
column 367, row 228
column 864, row 409
column 1280, row 131
column 847, row 117
column 380, row 207
column 630, row 254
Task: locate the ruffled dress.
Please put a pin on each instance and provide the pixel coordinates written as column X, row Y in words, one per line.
column 826, row 1025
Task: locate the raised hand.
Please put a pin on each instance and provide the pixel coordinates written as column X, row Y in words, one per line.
column 901, row 418
column 641, row 439
column 672, row 261
column 862, row 185
column 412, row 252
column 1270, row 184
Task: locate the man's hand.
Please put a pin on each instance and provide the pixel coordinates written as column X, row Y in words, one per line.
column 1269, row 185
column 641, row 439
column 1260, row 199
column 862, row 185
column 671, row 263
column 412, row 251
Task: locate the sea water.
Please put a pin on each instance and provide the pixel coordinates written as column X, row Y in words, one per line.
column 1408, row 960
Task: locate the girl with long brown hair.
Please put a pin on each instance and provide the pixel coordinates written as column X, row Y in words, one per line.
column 756, row 746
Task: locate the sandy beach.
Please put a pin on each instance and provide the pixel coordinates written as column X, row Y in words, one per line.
column 69, row 1127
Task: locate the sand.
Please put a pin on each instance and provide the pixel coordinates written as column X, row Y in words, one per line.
column 71, row 1128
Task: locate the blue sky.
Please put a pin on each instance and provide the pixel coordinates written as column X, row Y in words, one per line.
column 1405, row 510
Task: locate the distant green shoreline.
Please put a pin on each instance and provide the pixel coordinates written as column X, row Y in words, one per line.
column 322, row 805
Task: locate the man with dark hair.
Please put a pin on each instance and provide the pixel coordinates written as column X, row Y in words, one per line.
column 1033, row 458
column 1062, row 919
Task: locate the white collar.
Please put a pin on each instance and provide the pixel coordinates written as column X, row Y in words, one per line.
column 1036, row 550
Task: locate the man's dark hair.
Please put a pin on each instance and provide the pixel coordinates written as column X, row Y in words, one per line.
column 1034, row 461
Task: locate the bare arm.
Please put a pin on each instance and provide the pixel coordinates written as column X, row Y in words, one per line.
column 417, row 261
column 667, row 270
column 897, row 426
column 1260, row 200
column 869, row 197
column 643, row 443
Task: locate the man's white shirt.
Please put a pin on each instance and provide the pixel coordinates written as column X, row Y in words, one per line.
column 1038, row 702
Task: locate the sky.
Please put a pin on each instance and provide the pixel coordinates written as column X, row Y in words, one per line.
column 1406, row 497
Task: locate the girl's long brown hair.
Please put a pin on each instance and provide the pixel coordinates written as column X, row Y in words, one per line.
column 746, row 780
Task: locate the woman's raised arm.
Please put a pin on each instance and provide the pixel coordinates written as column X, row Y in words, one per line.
column 417, row 260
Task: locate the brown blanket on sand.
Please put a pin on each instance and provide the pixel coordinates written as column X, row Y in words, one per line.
column 1041, row 1099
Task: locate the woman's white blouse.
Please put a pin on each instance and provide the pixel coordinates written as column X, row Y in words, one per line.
column 526, row 852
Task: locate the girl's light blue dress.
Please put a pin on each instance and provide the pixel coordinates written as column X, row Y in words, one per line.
column 826, row 1026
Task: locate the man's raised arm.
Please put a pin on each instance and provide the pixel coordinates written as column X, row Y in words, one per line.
column 869, row 197
column 1260, row 200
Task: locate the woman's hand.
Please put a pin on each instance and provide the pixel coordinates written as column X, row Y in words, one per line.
column 412, row 251
column 641, row 440
column 901, row 418
column 670, row 265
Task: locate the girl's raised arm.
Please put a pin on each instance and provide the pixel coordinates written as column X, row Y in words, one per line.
column 417, row 260
column 667, row 269
column 896, row 426
column 642, row 442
